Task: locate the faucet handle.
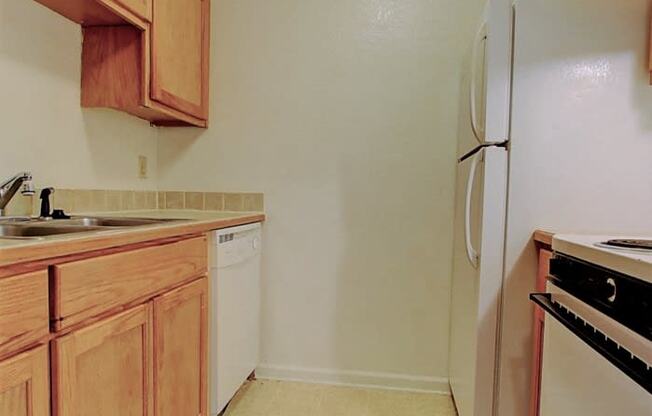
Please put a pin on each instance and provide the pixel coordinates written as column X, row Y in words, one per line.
column 45, row 202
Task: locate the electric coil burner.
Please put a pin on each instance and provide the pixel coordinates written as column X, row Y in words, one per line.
column 628, row 244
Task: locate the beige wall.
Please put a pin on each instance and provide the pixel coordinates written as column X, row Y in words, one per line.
column 343, row 113
column 42, row 127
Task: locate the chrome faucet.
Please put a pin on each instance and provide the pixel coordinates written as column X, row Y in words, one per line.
column 9, row 188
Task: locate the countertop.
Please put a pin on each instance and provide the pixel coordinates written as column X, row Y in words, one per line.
column 543, row 237
column 191, row 222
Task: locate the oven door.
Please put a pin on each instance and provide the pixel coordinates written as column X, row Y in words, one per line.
column 592, row 365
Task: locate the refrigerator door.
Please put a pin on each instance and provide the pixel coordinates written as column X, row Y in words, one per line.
column 480, row 221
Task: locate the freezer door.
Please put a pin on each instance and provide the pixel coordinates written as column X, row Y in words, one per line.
column 471, row 107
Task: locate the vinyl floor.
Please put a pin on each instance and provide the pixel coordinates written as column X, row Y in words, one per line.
column 279, row 398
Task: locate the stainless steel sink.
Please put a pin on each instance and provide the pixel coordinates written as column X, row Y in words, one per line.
column 24, row 228
column 25, row 231
column 13, row 220
column 111, row 221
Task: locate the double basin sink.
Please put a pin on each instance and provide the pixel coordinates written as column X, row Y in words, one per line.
column 23, row 228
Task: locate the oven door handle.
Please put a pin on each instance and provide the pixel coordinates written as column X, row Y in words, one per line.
column 633, row 367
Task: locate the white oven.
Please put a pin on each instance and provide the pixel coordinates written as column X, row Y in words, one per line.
column 597, row 344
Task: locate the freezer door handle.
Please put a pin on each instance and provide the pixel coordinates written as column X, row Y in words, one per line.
column 625, row 361
column 471, row 252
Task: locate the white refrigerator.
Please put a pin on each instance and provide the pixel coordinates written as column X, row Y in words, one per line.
column 566, row 83
column 480, row 217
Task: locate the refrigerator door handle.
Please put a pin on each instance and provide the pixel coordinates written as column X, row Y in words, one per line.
column 479, row 38
column 471, row 253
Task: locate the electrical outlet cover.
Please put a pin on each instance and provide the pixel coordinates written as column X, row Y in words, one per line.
column 142, row 167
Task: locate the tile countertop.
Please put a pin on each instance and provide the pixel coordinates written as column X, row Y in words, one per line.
column 191, row 222
column 631, row 263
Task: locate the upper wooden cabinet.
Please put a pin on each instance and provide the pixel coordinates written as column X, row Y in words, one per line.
column 180, row 55
column 142, row 8
column 149, row 58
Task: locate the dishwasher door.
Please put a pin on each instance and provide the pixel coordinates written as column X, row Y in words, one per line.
column 235, row 310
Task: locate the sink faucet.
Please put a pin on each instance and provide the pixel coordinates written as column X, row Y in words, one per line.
column 9, row 188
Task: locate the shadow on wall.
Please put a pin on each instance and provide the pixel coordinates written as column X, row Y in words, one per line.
column 40, row 57
column 28, row 36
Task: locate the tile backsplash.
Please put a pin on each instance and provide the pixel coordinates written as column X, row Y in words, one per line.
column 85, row 200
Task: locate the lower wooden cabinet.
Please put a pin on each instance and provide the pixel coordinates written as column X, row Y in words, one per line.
column 135, row 342
column 25, row 384
column 180, row 351
column 24, row 316
column 106, row 368
column 149, row 360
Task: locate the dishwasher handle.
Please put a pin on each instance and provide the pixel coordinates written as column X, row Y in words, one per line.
column 625, row 361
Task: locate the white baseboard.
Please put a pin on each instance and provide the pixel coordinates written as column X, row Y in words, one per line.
column 365, row 379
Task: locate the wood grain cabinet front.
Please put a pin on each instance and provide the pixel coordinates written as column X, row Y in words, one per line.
column 24, row 315
column 105, row 369
column 157, row 71
column 25, row 384
column 180, row 351
column 95, row 286
column 180, row 33
column 148, row 58
column 129, row 334
column 141, row 8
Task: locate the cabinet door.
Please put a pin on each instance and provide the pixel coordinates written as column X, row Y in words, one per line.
column 25, row 384
column 180, row 351
column 180, row 39
column 105, row 369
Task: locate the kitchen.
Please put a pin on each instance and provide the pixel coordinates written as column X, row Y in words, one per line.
column 339, row 123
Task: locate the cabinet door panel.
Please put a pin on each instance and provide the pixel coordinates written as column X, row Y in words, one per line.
column 180, row 33
column 87, row 288
column 24, row 315
column 180, row 351
column 25, row 384
column 106, row 369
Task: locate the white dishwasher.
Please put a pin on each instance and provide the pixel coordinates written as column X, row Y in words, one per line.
column 235, row 310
